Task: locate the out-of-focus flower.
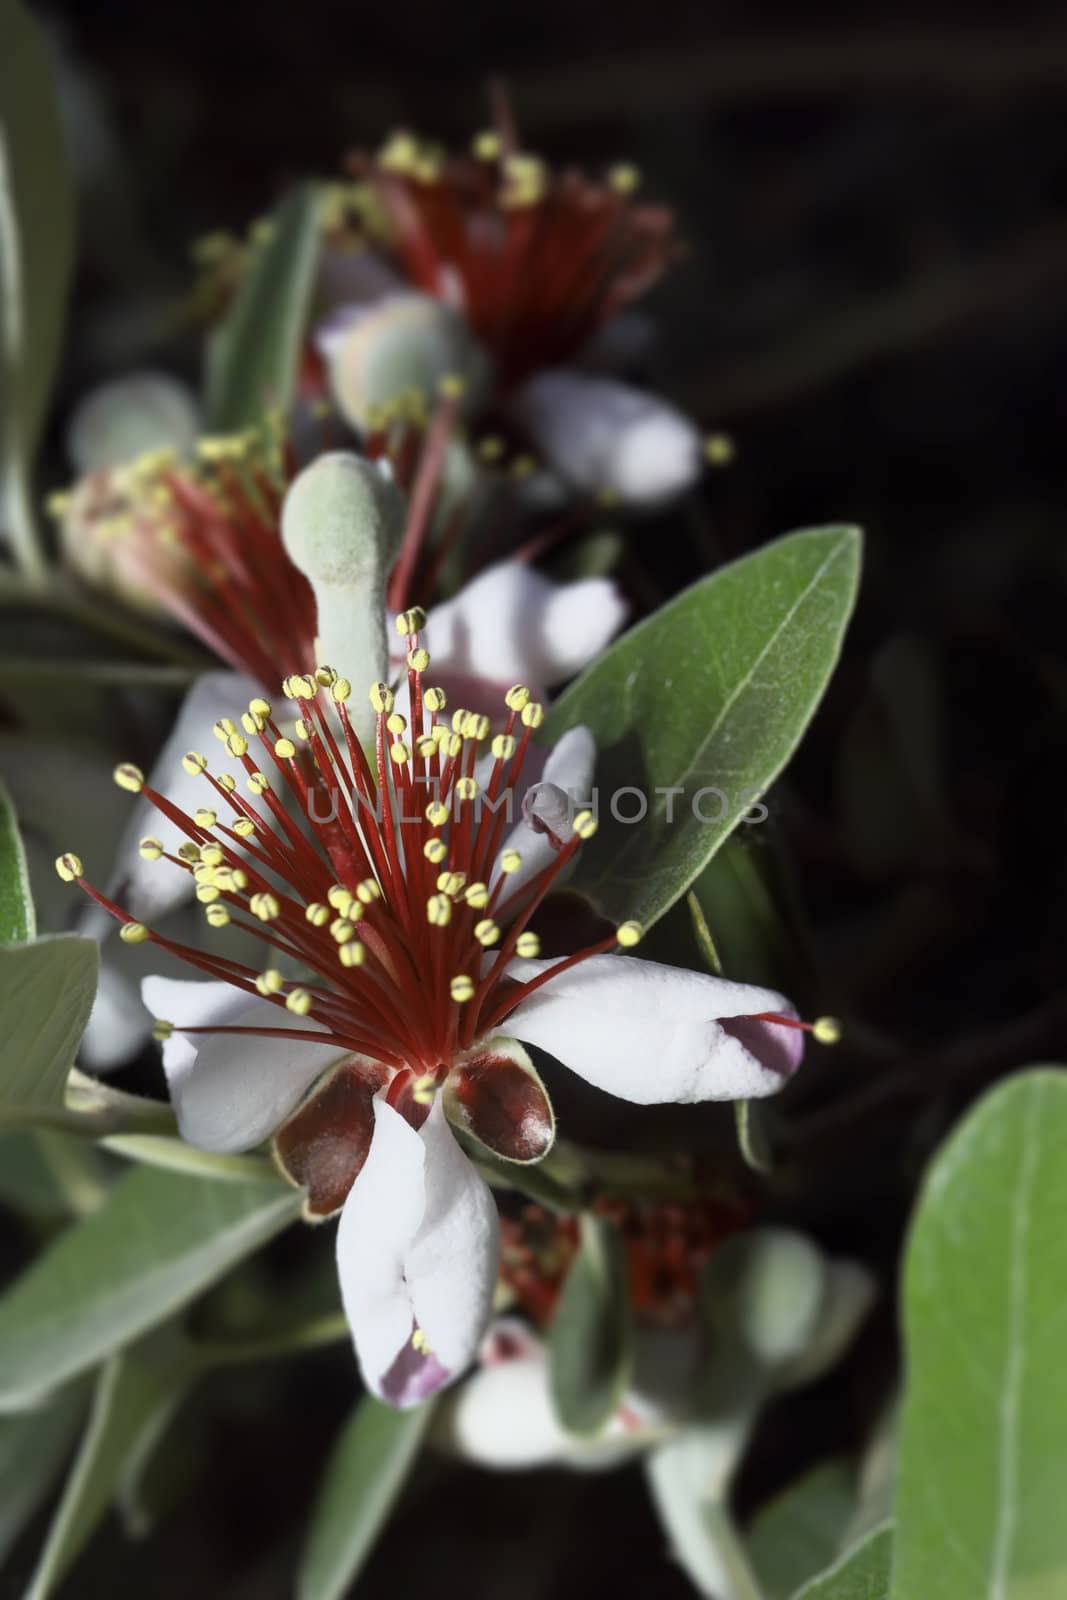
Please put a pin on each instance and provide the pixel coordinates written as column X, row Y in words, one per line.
column 408, row 920
column 503, row 1417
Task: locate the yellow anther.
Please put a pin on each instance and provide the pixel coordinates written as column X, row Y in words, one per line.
column 134, row 933
column 223, row 728
column 410, row 621
column 325, row 676
column 206, row 893
column 462, row 988
column 303, row 688
column 189, row 852
column 425, row 747
column 226, row 782
column 302, row 729
column 204, row 817
column 490, row 448
column 436, row 813
column 517, row 698
column 317, row 914
column 211, row 854
column 827, row 1030
column 477, row 896
column 477, row 727
column 129, row 777
column 466, row 788
column 368, row 890
column 265, row 907
column 624, row 179
column 585, row 824
column 260, row 707
column 284, row 749
column 719, row 450
column 270, row 982
column 503, row 746
column 528, row 945
column 341, row 690
column 352, row 953
column 340, row 898
column 510, row 861
column 523, row 467
column 240, row 879
column 487, row 145
column 419, row 1340
column 395, row 723
column 400, row 753
column 459, row 719
column 244, row 827
column 486, row 932
column 435, row 851
column 237, row 744
column 217, row 916
column 258, row 782
column 451, row 883
column 452, row 386
column 222, row 878
column 434, row 700
column 451, row 744
column 252, row 724
column 342, row 930
column 161, row 1030
column 533, row 714
column 381, row 698
column 439, row 910
column 298, row 1001
column 399, row 153
column 418, row 660
column 204, row 874
column 151, row 849
column 69, row 867
column 629, row 934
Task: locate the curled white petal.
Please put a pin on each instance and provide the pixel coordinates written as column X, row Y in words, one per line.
column 651, row 1033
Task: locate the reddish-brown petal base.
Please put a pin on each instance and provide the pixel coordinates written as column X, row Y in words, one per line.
column 322, row 1147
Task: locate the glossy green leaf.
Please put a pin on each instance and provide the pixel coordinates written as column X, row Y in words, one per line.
column 697, row 710
column 16, row 902
column 862, row 1573
column 33, row 1448
column 46, row 995
column 136, row 1395
column 365, row 1474
column 983, row 1446
column 591, row 1341
column 159, row 1241
column 801, row 1531
column 254, row 358
column 36, row 253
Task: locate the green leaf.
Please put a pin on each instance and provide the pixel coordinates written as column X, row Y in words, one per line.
column 16, row 902
column 255, row 355
column 159, row 1241
column 136, row 1395
column 983, row 1447
column 862, row 1573
column 36, row 254
column 33, row 1447
column 591, row 1342
column 46, row 995
column 366, row 1472
column 801, row 1531
column 709, row 697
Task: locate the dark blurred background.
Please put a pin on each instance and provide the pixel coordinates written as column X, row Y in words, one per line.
column 873, row 306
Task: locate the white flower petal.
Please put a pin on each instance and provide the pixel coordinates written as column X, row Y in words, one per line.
column 514, row 625
column 118, row 1024
column 416, row 1252
column 231, row 1091
column 550, row 805
column 148, row 889
column 651, row 1033
column 603, row 435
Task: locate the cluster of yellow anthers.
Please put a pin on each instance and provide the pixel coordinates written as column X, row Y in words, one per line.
column 524, row 179
column 380, row 872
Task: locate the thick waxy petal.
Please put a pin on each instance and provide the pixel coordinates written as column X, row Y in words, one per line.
column 323, row 1145
column 148, row 889
column 494, row 1093
column 416, row 1255
column 602, row 435
column 514, row 625
column 651, row 1033
column 231, row 1091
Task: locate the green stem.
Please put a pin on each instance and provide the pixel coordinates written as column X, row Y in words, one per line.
column 731, row 1553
